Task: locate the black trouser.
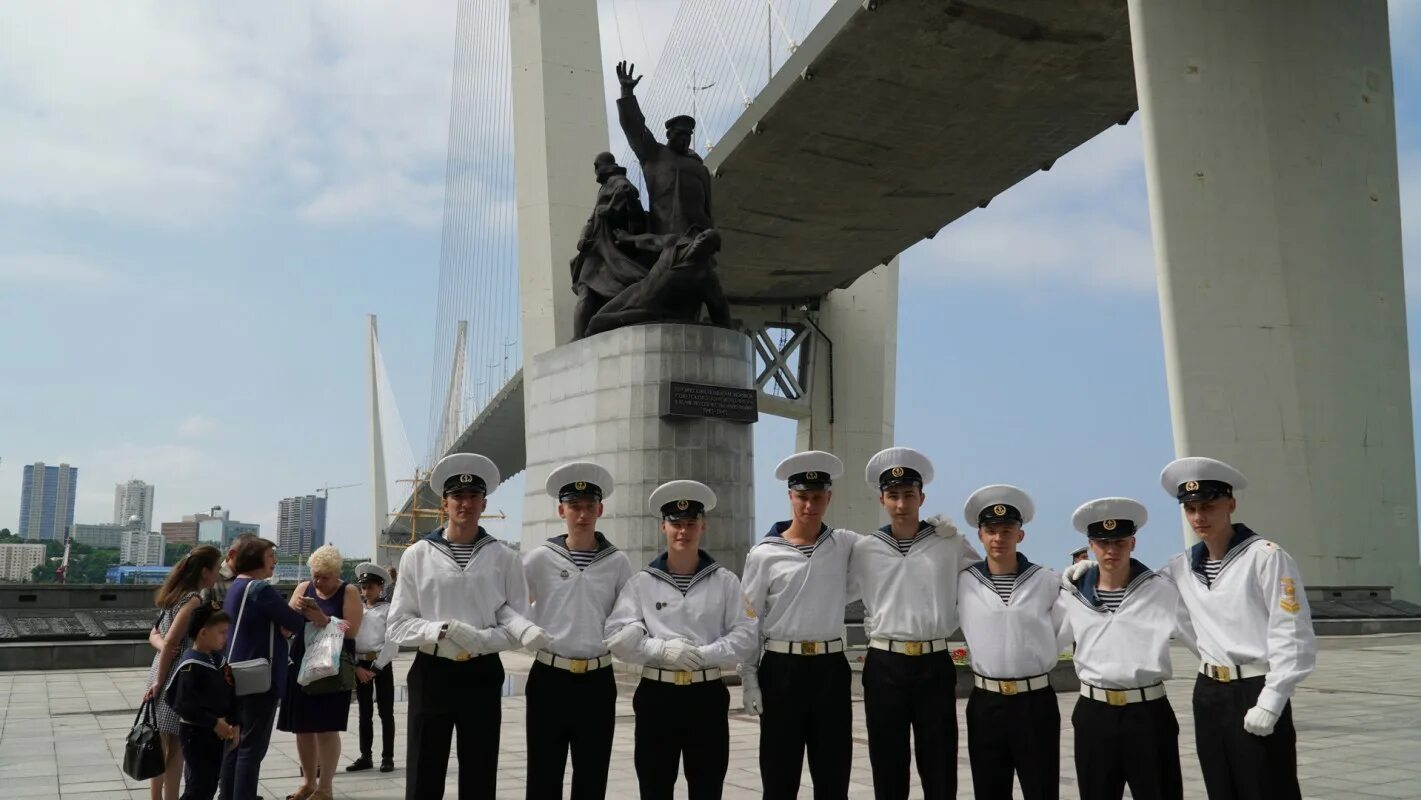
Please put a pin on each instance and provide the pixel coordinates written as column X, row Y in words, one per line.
column 1136, row 744
column 917, row 692
column 565, row 712
column 445, row 696
column 242, row 765
column 675, row 723
column 381, row 689
column 807, row 707
column 1236, row 764
column 202, row 762
column 1019, row 734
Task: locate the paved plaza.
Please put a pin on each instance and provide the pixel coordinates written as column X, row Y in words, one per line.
column 1358, row 719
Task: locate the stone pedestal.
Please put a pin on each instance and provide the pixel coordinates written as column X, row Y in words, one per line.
column 599, row 399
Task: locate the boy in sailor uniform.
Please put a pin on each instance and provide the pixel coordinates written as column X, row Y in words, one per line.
column 452, row 584
column 1121, row 615
column 574, row 579
column 908, row 573
column 683, row 616
column 1009, row 617
column 796, row 579
column 1247, row 606
column 376, row 681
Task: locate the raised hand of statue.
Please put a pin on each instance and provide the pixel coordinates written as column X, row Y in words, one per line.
column 625, row 77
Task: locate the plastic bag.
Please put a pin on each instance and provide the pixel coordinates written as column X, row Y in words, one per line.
column 323, row 651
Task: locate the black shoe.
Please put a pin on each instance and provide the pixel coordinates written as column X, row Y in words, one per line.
column 360, row 764
column 387, row 765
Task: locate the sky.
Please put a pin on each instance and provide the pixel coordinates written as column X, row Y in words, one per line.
column 200, row 204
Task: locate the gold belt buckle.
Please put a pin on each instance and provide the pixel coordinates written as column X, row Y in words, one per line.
column 912, row 648
column 1115, row 697
column 809, row 648
column 577, row 666
column 464, row 655
column 1221, row 674
column 1008, row 687
column 683, row 678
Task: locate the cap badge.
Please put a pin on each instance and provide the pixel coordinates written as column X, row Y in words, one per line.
column 896, row 472
column 580, row 485
column 682, row 505
column 466, row 478
column 999, row 510
column 1109, row 524
column 1191, row 486
column 811, row 476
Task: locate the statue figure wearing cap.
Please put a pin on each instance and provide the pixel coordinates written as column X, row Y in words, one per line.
column 678, row 184
column 607, row 259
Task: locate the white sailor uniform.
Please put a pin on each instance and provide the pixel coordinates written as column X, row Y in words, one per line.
column 799, row 594
column 1013, row 721
column 680, row 713
column 1125, row 728
column 455, row 684
column 374, row 650
column 571, row 690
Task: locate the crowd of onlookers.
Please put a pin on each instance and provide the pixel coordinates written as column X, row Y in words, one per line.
column 217, row 612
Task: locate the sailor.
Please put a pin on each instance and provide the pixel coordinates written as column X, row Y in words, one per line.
column 683, row 617
column 1122, row 615
column 908, row 573
column 375, row 685
column 452, row 584
column 574, row 579
column 1080, row 554
column 1246, row 602
column 796, row 579
column 1007, row 605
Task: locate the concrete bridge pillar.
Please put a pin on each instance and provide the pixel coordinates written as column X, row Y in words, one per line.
column 1270, row 150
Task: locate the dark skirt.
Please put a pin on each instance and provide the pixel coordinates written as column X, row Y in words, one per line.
column 311, row 713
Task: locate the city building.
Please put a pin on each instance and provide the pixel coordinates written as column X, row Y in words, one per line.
column 133, row 499
column 153, row 576
column 47, row 501
column 184, row 532
column 142, row 549
column 300, row 525
column 100, row 536
column 218, row 529
column 17, row 561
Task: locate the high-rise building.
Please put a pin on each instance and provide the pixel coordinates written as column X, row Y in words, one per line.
column 184, row 532
column 17, row 561
column 133, row 499
column 300, row 525
column 47, row 501
column 142, row 549
column 219, row 529
column 100, row 536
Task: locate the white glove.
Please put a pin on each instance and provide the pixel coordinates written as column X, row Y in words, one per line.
column 944, row 526
column 623, row 643
column 680, row 654
column 534, row 638
column 1259, row 721
column 750, row 692
column 466, row 637
column 1073, row 573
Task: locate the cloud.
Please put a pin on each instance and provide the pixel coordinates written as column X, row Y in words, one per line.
column 55, row 269
column 195, row 426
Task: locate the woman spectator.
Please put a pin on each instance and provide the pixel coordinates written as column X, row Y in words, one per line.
column 177, row 599
column 260, row 632
column 319, row 719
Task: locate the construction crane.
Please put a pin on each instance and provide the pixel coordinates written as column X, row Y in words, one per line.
column 63, row 568
column 325, row 491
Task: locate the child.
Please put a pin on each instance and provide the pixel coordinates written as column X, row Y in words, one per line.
column 376, row 680
column 202, row 695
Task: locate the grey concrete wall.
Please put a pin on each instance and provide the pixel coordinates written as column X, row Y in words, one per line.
column 598, row 399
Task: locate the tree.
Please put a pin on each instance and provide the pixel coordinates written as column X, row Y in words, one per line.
column 174, row 551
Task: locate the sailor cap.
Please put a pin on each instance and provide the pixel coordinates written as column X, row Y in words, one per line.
column 1199, row 478
column 469, row 472
column 681, row 499
column 898, row 466
column 579, row 479
column 812, row 469
column 364, row 573
column 999, row 502
column 1110, row 518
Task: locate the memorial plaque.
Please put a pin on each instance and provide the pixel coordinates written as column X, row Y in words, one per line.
column 704, row 401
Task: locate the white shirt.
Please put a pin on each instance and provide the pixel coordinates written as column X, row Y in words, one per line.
column 1254, row 611
column 572, row 604
column 1127, row 648
column 432, row 590
column 712, row 614
column 1015, row 639
column 799, row 597
column 912, row 596
column 371, row 638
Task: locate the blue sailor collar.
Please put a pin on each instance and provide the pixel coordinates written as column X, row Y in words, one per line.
column 604, row 548
column 1085, row 587
column 212, row 661
column 886, row 533
column 481, row 540
column 776, row 535
column 1242, row 539
column 705, row 566
column 1024, row 569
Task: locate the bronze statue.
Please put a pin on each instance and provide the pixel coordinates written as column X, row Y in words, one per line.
column 683, row 278
column 607, row 260
column 678, row 184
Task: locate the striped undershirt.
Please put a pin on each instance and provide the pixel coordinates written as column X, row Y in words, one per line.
column 1003, row 584
column 683, row 582
column 582, row 557
column 806, row 549
column 1211, row 570
column 1110, row 598
column 462, row 553
column 904, row 545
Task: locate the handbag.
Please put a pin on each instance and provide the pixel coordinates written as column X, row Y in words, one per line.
column 252, row 676
column 143, row 752
column 342, row 681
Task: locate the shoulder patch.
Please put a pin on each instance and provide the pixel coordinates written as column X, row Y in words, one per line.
column 1289, row 602
column 749, row 609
